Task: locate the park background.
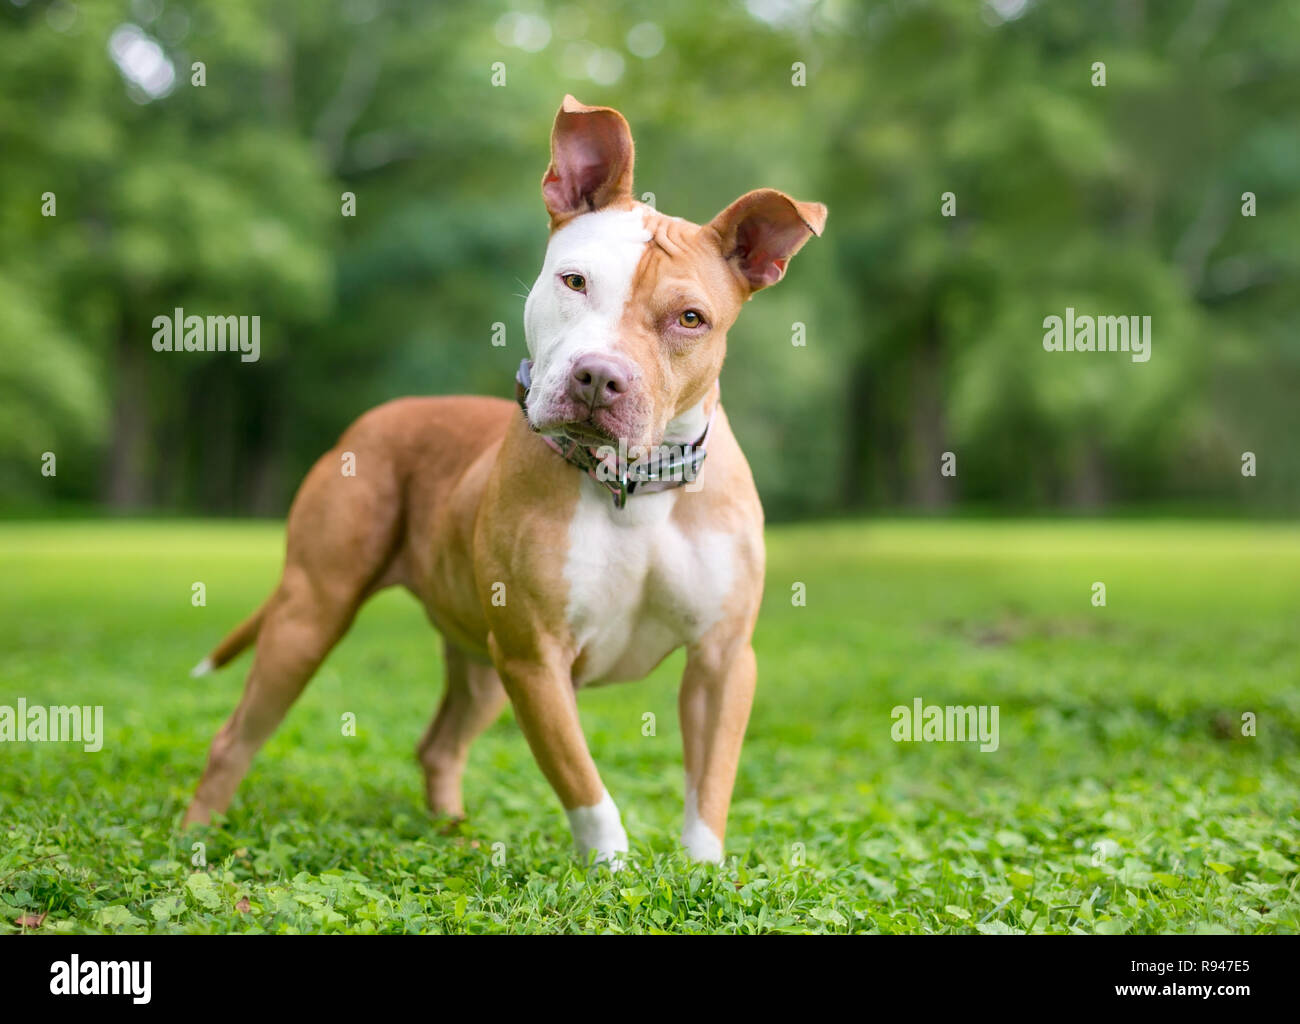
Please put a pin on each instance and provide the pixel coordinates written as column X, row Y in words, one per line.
column 1145, row 779
column 923, row 333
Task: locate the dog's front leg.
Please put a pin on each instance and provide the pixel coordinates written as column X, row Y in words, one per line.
column 541, row 690
column 716, row 695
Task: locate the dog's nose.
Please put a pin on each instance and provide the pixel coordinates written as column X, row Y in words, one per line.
column 598, row 380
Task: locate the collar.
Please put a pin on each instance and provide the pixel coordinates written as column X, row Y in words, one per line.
column 671, row 466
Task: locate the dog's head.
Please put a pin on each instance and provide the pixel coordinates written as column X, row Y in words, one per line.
column 627, row 323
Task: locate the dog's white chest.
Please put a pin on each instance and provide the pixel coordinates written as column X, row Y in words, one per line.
column 639, row 585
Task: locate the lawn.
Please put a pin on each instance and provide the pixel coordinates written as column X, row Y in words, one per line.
column 1123, row 796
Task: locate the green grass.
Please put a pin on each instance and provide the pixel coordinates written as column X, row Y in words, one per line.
column 1122, row 798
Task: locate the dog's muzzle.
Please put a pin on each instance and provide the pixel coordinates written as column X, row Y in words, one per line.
column 613, row 470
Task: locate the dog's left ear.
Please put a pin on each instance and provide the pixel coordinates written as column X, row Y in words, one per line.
column 591, row 160
column 762, row 229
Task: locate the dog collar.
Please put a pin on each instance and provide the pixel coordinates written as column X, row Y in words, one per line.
column 612, row 471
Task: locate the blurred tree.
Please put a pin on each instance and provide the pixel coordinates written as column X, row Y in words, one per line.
column 921, row 333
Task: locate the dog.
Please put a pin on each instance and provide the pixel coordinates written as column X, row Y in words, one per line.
column 548, row 550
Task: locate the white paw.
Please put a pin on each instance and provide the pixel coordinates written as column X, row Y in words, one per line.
column 599, row 828
column 701, row 844
column 700, row 841
column 611, row 858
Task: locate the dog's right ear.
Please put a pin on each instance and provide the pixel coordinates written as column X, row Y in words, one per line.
column 591, row 161
column 762, row 229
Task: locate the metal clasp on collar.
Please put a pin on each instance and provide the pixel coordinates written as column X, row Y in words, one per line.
column 622, row 489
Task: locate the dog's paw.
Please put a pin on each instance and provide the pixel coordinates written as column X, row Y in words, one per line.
column 599, row 829
column 611, row 859
column 701, row 844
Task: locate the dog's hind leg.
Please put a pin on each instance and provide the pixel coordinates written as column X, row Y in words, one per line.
column 300, row 627
column 342, row 538
column 472, row 701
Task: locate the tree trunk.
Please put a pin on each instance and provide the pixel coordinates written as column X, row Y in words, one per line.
column 1089, row 486
column 857, row 434
column 928, row 426
column 126, row 487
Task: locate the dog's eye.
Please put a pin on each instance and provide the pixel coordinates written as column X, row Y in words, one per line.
column 691, row 319
column 576, row 282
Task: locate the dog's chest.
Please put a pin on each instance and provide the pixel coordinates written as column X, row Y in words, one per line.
column 639, row 584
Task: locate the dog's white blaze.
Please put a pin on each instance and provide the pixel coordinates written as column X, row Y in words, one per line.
column 639, row 585
column 697, row 837
column 605, row 247
column 599, row 828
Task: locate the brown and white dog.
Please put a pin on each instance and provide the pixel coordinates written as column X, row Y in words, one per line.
column 543, row 578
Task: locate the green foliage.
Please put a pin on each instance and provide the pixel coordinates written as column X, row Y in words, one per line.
column 1123, row 796
column 923, row 331
column 50, row 397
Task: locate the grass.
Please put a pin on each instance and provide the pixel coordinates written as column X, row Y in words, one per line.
column 1123, row 796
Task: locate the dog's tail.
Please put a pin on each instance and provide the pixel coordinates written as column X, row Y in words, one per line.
column 236, row 640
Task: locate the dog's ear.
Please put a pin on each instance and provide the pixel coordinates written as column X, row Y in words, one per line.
column 762, row 229
column 591, row 160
